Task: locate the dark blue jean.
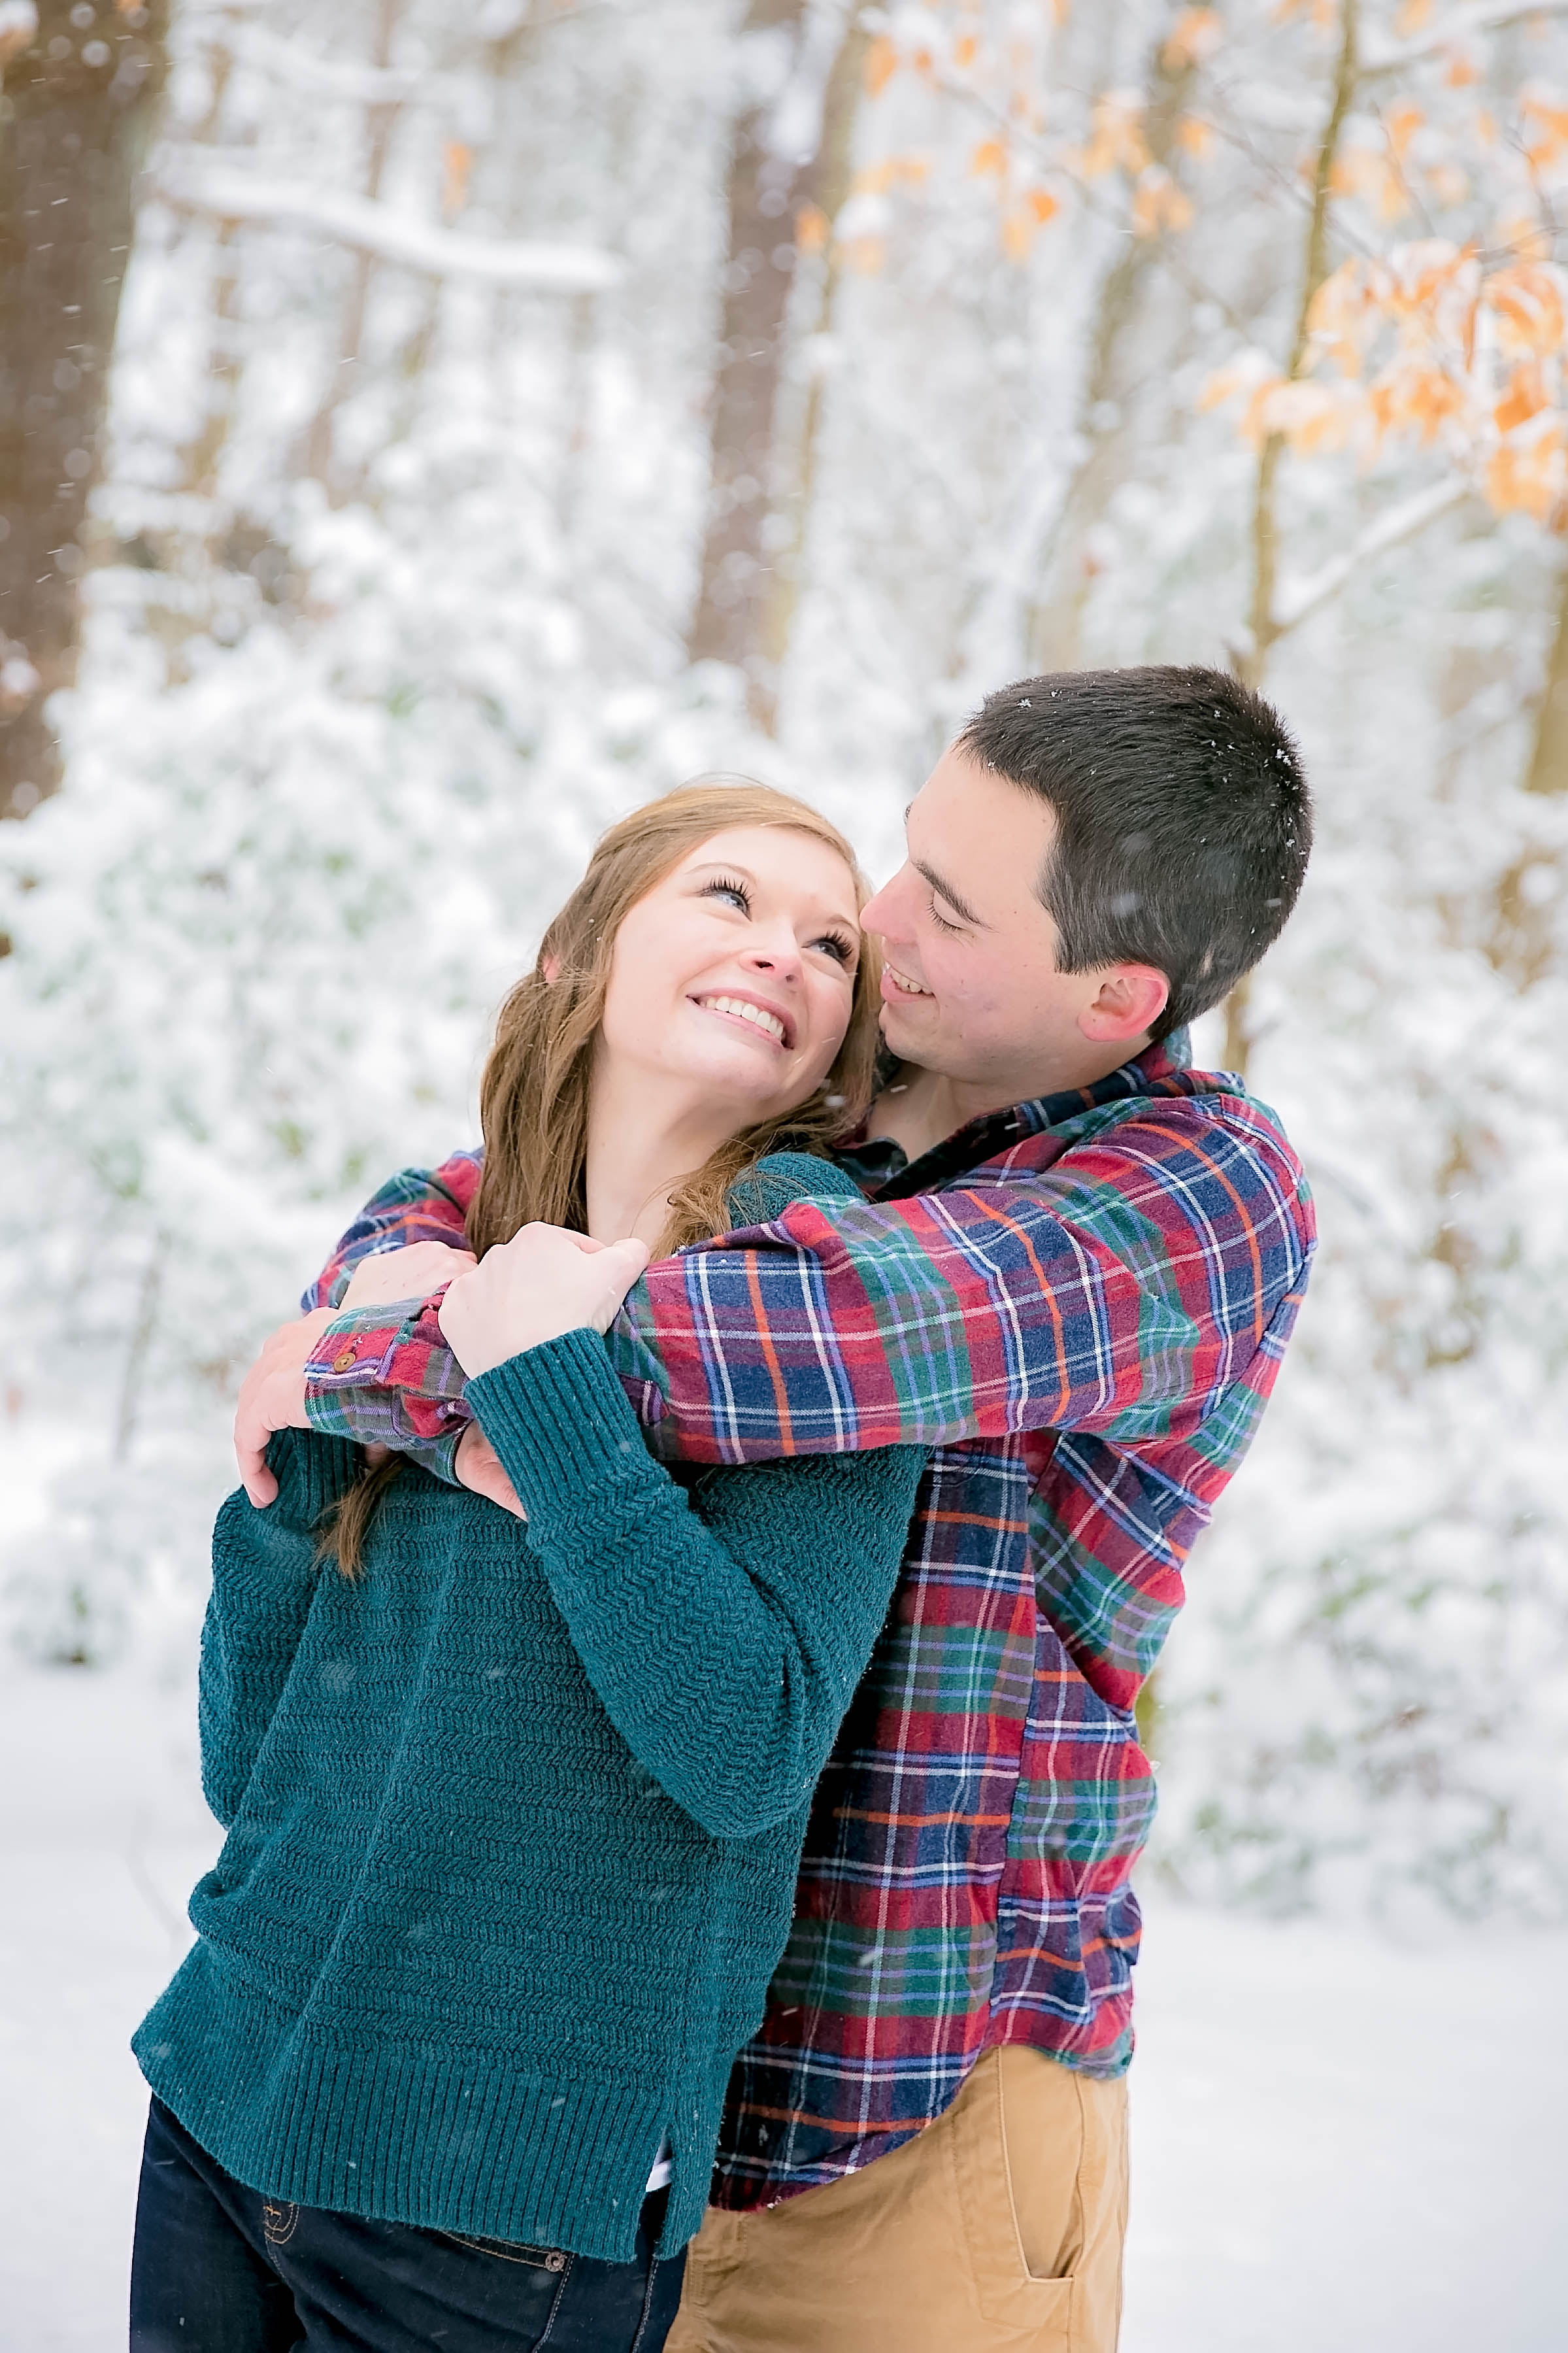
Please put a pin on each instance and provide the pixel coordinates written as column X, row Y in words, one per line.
column 218, row 2268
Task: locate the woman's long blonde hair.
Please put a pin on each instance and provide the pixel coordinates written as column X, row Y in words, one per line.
column 533, row 1096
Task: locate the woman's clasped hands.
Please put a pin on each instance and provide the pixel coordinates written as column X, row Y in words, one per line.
column 543, row 1283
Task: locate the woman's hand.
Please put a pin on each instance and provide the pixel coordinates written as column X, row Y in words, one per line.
column 543, row 1282
column 411, row 1273
column 479, row 1467
column 273, row 1397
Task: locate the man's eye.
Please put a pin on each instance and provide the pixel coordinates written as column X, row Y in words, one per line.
column 940, row 921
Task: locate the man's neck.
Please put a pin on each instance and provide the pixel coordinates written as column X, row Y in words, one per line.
column 921, row 1108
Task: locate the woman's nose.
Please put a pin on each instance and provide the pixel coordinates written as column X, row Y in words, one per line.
column 781, row 961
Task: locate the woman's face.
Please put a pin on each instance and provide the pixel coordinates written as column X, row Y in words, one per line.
column 736, row 973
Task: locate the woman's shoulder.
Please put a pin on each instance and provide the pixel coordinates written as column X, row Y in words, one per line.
column 767, row 1190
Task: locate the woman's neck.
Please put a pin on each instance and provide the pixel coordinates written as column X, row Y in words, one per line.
column 643, row 1141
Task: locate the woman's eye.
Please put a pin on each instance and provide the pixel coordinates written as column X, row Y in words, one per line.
column 840, row 950
column 736, row 892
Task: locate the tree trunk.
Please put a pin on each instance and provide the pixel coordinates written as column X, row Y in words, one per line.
column 770, row 181
column 78, row 101
column 1056, row 618
column 319, row 461
column 1264, row 627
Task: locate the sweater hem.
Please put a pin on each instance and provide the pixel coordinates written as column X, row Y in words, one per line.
column 409, row 2130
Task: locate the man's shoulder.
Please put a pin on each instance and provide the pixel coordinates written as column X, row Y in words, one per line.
column 1182, row 1105
column 1190, row 1149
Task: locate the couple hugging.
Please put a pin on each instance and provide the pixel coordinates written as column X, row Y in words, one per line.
column 671, row 1698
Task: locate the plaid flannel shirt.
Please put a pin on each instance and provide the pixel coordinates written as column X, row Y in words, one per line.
column 1081, row 1307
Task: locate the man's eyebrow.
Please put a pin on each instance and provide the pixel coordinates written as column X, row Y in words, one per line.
column 960, row 906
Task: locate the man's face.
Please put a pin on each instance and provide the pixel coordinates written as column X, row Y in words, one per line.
column 971, row 990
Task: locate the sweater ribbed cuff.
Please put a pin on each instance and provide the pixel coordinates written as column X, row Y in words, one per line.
column 311, row 1472
column 560, row 1423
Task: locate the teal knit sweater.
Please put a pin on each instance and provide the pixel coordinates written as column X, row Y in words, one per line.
column 514, row 1820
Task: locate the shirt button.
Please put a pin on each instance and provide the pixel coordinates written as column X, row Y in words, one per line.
column 343, row 1359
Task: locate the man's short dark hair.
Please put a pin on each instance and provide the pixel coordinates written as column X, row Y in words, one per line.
column 1184, row 821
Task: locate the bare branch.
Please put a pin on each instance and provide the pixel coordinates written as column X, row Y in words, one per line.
column 391, row 236
column 1298, row 600
column 1462, row 24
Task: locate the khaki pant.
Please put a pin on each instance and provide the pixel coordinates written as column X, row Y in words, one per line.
column 999, row 2230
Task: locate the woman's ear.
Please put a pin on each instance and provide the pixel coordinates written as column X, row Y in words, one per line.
column 550, row 967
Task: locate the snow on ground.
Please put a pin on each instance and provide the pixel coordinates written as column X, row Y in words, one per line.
column 1337, row 2144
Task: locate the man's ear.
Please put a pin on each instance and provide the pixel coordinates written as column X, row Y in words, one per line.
column 1129, row 1000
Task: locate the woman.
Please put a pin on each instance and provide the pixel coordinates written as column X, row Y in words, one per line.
column 514, row 1810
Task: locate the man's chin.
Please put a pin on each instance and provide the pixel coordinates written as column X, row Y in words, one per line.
column 901, row 1034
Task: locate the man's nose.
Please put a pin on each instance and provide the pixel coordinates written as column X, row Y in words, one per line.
column 880, row 914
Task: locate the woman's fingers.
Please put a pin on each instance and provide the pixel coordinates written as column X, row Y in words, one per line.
column 532, row 1288
column 411, row 1272
column 479, row 1467
column 272, row 1397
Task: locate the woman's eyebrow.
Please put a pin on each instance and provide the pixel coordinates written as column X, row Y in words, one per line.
column 960, row 906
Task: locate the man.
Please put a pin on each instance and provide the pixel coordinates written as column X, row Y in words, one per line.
column 1073, row 1276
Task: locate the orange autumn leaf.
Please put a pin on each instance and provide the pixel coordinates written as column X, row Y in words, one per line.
column 864, row 255
column 1308, row 416
column 965, row 49
column 1367, row 173
column 1159, row 203
column 1401, row 123
column 1547, row 131
column 457, row 162
column 1416, row 399
column 892, row 172
column 1116, row 138
column 811, row 227
column 1412, row 15
column 991, row 155
column 881, row 64
column 1041, row 204
column 1525, row 397
column 1194, row 37
column 1527, row 303
column 1462, row 70
column 1531, row 475
column 1194, row 137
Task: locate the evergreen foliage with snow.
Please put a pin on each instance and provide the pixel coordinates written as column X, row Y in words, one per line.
column 390, row 579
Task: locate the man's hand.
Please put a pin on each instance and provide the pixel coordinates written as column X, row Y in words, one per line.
column 273, row 1397
column 411, row 1273
column 477, row 1465
column 543, row 1282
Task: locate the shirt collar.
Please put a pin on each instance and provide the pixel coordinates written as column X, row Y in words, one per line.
column 883, row 1168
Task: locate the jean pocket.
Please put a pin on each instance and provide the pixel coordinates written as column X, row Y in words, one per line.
column 509, row 2251
column 279, row 2220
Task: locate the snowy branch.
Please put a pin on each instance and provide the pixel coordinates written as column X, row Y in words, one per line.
column 1298, row 598
column 1462, row 24
column 391, row 236
column 324, row 77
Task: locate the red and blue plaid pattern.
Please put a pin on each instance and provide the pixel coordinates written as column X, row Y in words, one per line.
column 1080, row 1305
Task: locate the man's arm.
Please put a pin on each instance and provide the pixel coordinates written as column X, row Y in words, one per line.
column 1119, row 1290
column 417, row 1205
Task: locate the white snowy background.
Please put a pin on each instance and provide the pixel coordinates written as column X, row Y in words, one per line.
column 389, row 598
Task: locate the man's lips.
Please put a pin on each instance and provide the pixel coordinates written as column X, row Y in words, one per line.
column 754, row 1013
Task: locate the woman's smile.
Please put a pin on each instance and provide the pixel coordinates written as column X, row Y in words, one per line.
column 764, row 1020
